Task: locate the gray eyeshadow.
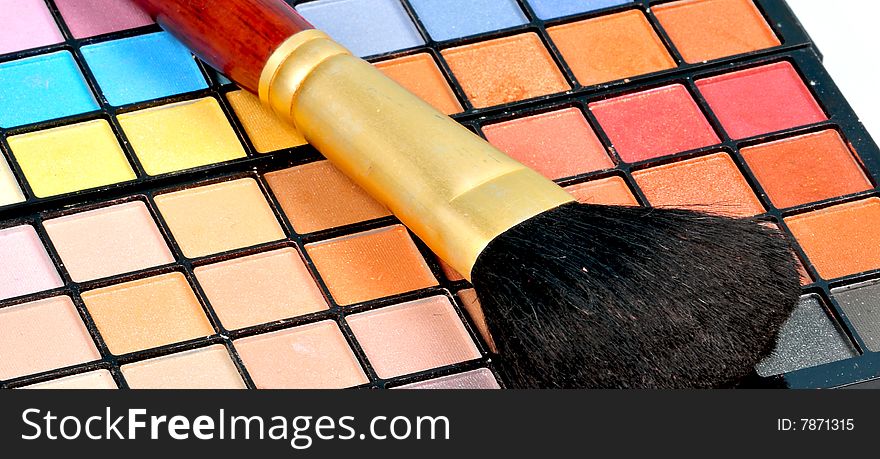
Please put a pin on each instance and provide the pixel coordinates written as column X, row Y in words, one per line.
column 809, row 338
column 861, row 303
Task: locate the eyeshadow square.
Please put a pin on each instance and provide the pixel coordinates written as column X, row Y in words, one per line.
column 806, row 168
column 26, row 24
column 71, row 158
column 760, row 100
column 366, row 27
column 26, row 266
column 557, row 144
column 550, row 9
column 108, row 241
column 370, row 265
column 471, row 305
column 87, row 18
column 41, row 336
column 421, row 76
column 504, row 70
column 10, row 191
column 143, row 67
column 314, row 356
column 611, row 191
column 807, row 339
column 98, row 379
column 316, row 196
column 612, row 47
column 703, row 30
column 654, row 123
column 266, row 131
column 147, row 313
column 411, row 337
column 840, row 240
column 205, row 368
column 216, row 218
column 481, row 378
column 861, row 304
column 42, row 88
column 448, row 19
column 708, row 183
column 260, row 288
column 181, row 136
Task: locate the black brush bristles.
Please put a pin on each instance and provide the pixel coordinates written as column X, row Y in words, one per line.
column 588, row 296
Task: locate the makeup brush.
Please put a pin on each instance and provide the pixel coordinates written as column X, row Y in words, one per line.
column 574, row 295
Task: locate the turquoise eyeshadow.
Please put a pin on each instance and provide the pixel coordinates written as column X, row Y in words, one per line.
column 448, row 19
column 365, row 27
column 144, row 67
column 42, row 88
column 549, row 9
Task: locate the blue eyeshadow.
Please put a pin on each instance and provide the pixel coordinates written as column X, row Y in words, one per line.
column 42, row 88
column 366, row 27
column 549, row 9
column 142, row 68
column 448, row 19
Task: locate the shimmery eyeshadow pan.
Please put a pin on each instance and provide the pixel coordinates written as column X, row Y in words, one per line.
column 550, row 9
column 267, row 132
column 26, row 24
column 87, row 18
column 861, row 304
column 420, row 75
column 611, row 191
column 26, row 267
column 450, row 19
column 474, row 379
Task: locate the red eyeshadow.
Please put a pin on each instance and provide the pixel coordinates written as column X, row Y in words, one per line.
column 654, row 123
column 761, row 100
column 556, row 144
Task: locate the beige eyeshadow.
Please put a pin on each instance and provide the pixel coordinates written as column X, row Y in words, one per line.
column 41, row 336
column 314, row 356
column 219, row 217
column 207, row 368
column 260, row 288
column 147, row 313
column 99, row 379
column 108, row 241
column 414, row 336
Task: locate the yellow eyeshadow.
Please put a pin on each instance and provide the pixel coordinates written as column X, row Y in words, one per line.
column 71, row 158
column 10, row 192
column 181, row 136
column 266, row 131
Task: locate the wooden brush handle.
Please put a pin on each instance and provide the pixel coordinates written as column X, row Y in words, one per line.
column 234, row 36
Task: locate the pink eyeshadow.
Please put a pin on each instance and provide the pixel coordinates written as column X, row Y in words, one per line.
column 87, row 18
column 26, row 24
column 476, row 379
column 25, row 266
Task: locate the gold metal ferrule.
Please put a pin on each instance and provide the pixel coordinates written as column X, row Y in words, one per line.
column 449, row 186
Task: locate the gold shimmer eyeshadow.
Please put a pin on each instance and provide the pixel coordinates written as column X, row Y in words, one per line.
column 421, row 76
column 316, row 196
column 180, row 136
column 314, row 356
column 612, row 47
column 277, row 281
column 206, row 368
column 143, row 314
column 371, row 265
column 215, row 218
column 505, row 70
column 411, row 337
column 267, row 132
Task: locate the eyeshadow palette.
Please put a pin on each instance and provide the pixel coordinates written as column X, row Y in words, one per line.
column 160, row 229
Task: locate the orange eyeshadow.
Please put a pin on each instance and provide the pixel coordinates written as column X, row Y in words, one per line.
column 611, row 191
column 415, row 336
column 703, row 30
column 421, row 76
column 840, row 240
column 277, row 281
column 316, row 196
column 556, row 144
column 505, row 70
column 710, row 183
column 611, row 47
column 314, row 356
column 471, row 304
column 370, row 265
column 147, row 313
column 806, row 168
